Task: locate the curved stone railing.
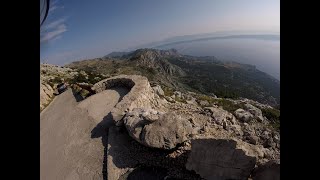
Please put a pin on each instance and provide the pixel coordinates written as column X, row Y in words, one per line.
column 140, row 95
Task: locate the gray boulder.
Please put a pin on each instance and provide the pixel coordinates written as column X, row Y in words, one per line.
column 158, row 90
column 236, row 129
column 256, row 112
column 243, row 115
column 156, row 129
column 203, row 103
column 221, row 116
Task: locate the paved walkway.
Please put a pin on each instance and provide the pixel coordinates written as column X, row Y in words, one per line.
column 71, row 145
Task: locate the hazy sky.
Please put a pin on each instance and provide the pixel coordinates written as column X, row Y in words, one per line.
column 80, row 29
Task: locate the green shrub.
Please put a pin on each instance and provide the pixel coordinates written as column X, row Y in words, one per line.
column 55, row 80
column 273, row 116
column 227, row 94
column 84, row 93
column 180, row 100
column 224, row 103
column 94, row 78
column 168, row 91
column 205, row 98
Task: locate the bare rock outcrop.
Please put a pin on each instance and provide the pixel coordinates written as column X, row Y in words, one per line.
column 46, row 95
column 49, row 77
column 224, row 145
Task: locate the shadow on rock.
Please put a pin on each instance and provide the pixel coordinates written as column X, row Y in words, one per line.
column 77, row 95
column 143, row 162
column 102, row 128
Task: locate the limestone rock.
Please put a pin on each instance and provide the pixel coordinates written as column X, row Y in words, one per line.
column 236, row 129
column 136, row 119
column 169, row 99
column 156, row 129
column 243, row 115
column 256, row 112
column 204, row 103
column 46, row 94
column 158, row 90
column 220, row 116
column 221, row 159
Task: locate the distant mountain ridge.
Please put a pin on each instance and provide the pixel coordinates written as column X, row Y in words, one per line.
column 189, row 73
column 206, row 36
column 258, row 36
column 116, row 54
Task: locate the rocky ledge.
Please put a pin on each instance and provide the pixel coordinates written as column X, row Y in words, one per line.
column 217, row 143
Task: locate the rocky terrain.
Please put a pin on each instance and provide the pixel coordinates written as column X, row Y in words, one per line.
column 52, row 75
column 158, row 131
column 192, row 134
column 183, row 134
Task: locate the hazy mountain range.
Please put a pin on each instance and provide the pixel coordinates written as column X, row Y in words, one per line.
column 261, row 49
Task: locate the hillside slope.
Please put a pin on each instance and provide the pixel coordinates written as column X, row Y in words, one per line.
column 205, row 75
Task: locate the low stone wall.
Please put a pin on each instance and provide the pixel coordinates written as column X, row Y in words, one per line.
column 141, row 94
column 46, row 95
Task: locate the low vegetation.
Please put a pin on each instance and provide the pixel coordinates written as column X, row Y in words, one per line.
column 86, row 77
column 168, row 91
column 198, row 74
column 82, row 92
column 224, row 103
column 273, row 116
column 54, row 81
column 180, row 100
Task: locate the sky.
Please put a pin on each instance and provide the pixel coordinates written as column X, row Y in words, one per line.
column 83, row 29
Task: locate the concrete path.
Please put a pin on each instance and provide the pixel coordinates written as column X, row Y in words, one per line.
column 72, row 133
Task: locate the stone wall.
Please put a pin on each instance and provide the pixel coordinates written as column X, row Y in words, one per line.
column 141, row 94
column 46, row 95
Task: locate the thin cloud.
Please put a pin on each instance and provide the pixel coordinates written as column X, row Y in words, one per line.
column 54, row 2
column 52, row 30
column 53, row 8
column 54, row 33
column 56, row 38
column 54, row 24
